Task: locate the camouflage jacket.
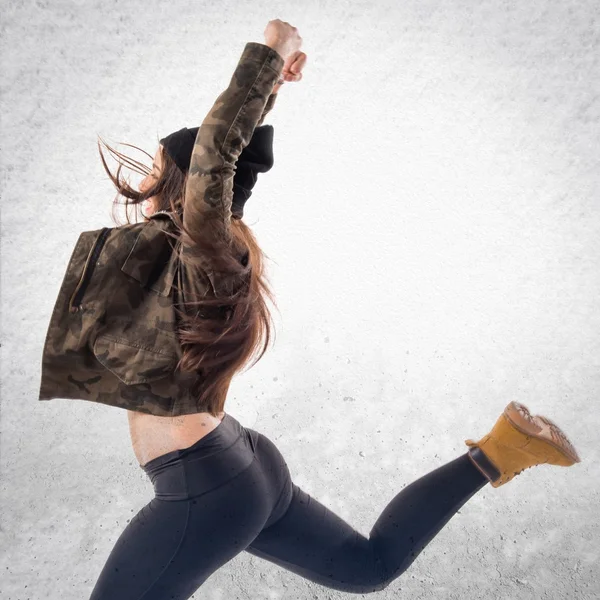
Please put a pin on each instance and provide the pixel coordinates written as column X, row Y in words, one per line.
column 112, row 336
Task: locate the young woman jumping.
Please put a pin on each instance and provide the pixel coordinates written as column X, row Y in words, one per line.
column 222, row 488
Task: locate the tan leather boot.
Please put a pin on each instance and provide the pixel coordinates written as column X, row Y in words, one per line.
column 519, row 441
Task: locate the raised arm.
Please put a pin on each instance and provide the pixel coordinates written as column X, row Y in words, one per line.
column 223, row 134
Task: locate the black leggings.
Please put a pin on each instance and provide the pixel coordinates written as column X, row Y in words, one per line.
column 232, row 491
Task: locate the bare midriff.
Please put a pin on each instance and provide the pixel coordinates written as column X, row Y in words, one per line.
column 153, row 436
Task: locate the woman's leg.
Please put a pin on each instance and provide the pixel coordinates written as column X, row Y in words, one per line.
column 315, row 543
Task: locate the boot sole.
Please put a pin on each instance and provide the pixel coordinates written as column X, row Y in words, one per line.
column 548, row 432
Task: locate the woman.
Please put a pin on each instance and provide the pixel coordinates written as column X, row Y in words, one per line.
column 221, row 488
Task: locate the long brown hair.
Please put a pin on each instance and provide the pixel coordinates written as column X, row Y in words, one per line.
column 216, row 343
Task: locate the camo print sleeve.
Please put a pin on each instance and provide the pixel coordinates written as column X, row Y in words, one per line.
column 224, row 133
column 268, row 106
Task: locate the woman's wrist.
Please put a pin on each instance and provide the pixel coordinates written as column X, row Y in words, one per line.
column 277, row 48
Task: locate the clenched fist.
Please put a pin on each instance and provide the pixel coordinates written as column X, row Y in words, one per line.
column 293, row 65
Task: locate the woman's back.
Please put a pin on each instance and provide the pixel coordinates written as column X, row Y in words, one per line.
column 152, row 436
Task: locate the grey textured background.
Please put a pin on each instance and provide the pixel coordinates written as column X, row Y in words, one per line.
column 432, row 220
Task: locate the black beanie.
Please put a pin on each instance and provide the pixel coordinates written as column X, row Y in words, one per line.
column 256, row 157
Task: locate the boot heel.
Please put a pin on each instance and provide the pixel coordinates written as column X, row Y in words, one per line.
column 520, row 417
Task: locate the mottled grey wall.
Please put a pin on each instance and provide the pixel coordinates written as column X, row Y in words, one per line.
column 432, row 219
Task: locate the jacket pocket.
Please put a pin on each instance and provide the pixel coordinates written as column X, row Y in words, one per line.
column 152, row 260
column 132, row 362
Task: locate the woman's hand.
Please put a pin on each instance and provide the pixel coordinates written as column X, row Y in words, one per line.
column 293, row 65
column 286, row 41
column 292, row 68
column 282, row 37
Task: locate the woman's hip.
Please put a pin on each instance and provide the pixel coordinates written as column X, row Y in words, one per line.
column 217, row 459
